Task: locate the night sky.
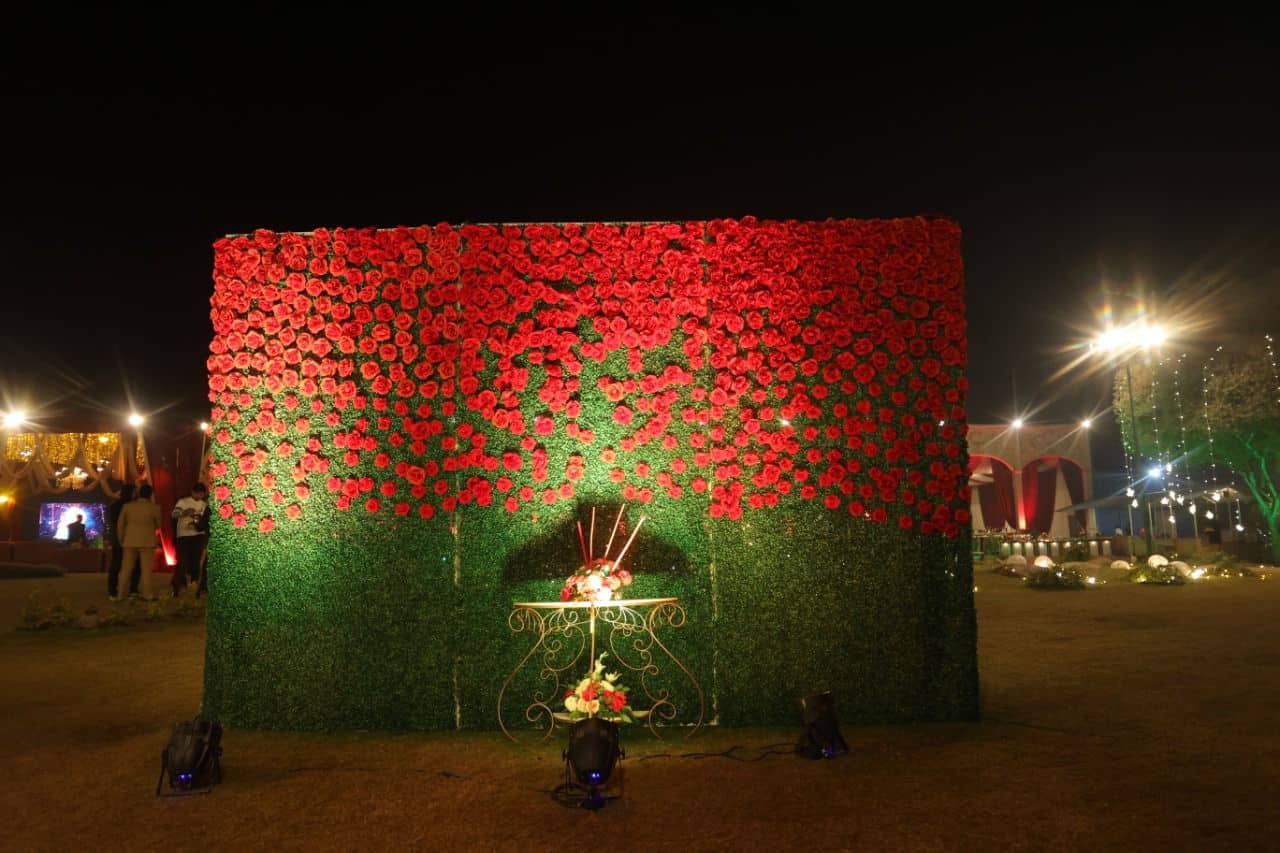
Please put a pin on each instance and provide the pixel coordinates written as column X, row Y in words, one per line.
column 1071, row 154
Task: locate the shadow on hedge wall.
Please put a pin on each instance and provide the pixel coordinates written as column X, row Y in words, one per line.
column 552, row 553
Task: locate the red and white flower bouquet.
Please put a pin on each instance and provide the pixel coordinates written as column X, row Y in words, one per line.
column 601, row 695
column 599, row 579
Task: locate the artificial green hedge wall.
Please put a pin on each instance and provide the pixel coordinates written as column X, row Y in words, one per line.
column 794, row 601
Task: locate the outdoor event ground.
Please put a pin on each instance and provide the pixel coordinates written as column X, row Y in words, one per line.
column 1119, row 718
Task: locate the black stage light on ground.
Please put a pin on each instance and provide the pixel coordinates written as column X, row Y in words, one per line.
column 592, row 754
column 192, row 759
column 821, row 737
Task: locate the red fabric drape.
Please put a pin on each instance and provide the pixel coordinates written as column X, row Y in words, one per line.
column 1038, row 488
column 1074, row 477
column 992, row 513
column 166, row 496
column 1002, row 486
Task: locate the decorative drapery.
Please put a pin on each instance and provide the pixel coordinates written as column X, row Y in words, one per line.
column 996, row 498
column 1002, row 485
column 1038, row 490
column 57, row 463
column 1073, row 476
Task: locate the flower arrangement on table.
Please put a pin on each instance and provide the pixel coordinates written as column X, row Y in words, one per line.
column 599, row 695
column 599, row 579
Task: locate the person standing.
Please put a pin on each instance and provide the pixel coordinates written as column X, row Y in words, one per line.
column 189, row 523
column 139, row 521
column 117, row 550
column 76, row 534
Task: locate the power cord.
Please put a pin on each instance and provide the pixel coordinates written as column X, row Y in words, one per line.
column 766, row 751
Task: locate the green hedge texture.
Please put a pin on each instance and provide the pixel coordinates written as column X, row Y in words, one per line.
column 794, row 601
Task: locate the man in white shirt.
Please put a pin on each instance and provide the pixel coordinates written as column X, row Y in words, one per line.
column 191, row 526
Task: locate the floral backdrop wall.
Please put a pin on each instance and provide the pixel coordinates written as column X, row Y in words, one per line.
column 407, row 422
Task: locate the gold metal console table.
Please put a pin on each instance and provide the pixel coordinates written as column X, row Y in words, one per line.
column 566, row 630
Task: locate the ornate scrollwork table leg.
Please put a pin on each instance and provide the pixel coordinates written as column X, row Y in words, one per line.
column 556, row 630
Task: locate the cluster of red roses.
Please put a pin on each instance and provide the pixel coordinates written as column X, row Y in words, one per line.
column 434, row 365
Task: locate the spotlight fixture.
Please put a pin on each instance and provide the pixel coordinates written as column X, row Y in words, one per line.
column 592, row 754
column 1128, row 493
column 14, row 419
column 136, row 420
column 192, row 760
column 1154, row 472
column 821, row 737
column 204, row 426
column 1086, row 423
column 1208, row 513
column 1017, row 423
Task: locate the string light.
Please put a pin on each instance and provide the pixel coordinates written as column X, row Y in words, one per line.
column 1182, row 427
column 1205, row 372
column 1155, row 424
column 1275, row 371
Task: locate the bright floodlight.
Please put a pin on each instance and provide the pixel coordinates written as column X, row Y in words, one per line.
column 14, row 419
column 136, row 420
column 1139, row 335
column 1017, row 423
column 1147, row 336
column 1154, row 472
column 1086, row 423
column 204, row 426
column 1111, row 339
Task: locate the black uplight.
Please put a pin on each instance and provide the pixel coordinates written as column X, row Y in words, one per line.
column 592, row 754
column 821, row 737
column 192, row 759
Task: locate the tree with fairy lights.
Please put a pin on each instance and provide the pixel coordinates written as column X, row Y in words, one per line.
column 1235, row 423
